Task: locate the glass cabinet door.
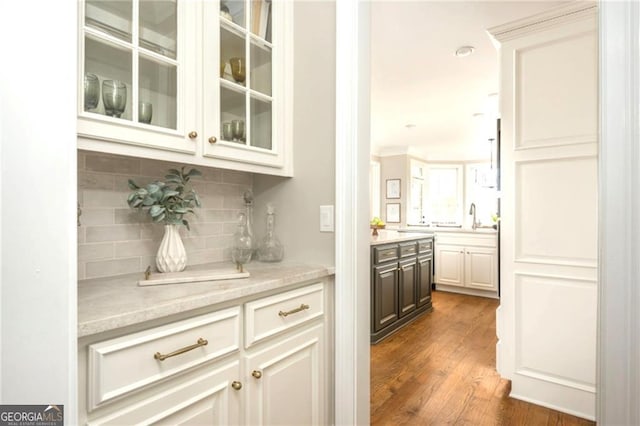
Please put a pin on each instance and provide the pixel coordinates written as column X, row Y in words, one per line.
column 131, row 64
column 246, row 100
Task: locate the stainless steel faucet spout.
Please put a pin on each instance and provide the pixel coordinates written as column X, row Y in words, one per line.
column 472, row 211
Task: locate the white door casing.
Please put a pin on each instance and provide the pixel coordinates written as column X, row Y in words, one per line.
column 546, row 323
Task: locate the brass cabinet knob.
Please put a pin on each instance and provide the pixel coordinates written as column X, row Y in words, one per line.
column 213, row 139
column 193, row 134
column 257, row 374
column 236, row 385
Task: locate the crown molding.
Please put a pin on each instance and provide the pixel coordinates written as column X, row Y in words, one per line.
column 571, row 12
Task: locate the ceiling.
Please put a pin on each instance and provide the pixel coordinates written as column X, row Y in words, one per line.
column 416, row 79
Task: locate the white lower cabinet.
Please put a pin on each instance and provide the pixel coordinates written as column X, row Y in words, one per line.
column 466, row 261
column 287, row 385
column 196, row 371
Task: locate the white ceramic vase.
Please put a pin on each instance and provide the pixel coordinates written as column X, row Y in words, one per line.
column 171, row 256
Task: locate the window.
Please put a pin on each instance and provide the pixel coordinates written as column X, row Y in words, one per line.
column 481, row 190
column 444, row 189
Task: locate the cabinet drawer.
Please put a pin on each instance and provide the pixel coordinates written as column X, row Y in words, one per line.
column 121, row 365
column 385, row 253
column 425, row 246
column 272, row 315
column 408, row 249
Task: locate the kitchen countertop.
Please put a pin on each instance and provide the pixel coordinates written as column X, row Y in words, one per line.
column 106, row 304
column 435, row 229
column 386, row 236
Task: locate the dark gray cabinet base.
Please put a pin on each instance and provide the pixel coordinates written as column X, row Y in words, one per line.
column 400, row 285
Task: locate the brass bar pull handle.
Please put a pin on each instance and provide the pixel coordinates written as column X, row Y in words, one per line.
column 294, row 311
column 162, row 357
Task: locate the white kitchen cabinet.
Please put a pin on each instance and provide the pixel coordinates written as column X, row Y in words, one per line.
column 450, row 265
column 198, row 371
column 175, row 56
column 287, row 381
column 467, row 262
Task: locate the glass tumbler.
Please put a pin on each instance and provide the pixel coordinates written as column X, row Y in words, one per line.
column 145, row 112
column 227, row 132
column 91, row 91
column 114, row 97
column 237, row 129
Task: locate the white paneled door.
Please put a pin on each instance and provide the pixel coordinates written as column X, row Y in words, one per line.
column 549, row 147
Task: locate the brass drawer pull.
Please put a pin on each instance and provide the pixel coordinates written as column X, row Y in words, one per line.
column 257, row 374
column 294, row 311
column 236, row 385
column 162, row 357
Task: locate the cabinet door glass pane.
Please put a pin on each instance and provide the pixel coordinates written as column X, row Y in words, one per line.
column 111, row 64
column 260, row 67
column 232, row 55
column 261, row 18
column 233, row 116
column 111, row 17
column 157, row 99
column 233, row 11
column 260, row 123
column 158, row 30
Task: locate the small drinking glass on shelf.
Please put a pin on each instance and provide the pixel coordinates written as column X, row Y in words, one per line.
column 145, row 112
column 91, row 91
column 238, row 69
column 227, row 131
column 237, row 129
column 114, row 97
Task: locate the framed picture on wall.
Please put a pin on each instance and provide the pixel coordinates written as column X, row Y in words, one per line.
column 393, row 188
column 393, row 213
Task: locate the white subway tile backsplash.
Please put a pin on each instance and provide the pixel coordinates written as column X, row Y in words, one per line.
column 88, row 180
column 96, row 162
column 105, row 268
column 97, row 251
column 93, row 217
column 135, row 248
column 230, row 176
column 97, row 234
column 104, row 198
column 115, row 239
column 221, row 215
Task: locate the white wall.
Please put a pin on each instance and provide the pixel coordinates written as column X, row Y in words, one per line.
column 38, row 217
column 297, row 200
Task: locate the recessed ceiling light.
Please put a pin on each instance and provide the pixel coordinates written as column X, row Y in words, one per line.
column 463, row 51
column 410, row 126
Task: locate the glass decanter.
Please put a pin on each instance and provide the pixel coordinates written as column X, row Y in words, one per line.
column 242, row 244
column 270, row 249
column 248, row 201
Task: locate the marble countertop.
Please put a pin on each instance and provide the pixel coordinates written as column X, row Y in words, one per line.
column 386, row 236
column 106, row 304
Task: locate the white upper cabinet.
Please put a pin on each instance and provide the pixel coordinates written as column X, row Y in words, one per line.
column 205, row 83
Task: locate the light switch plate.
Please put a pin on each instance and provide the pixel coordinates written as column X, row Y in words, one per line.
column 326, row 219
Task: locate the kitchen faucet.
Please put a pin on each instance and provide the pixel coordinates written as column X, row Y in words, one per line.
column 472, row 211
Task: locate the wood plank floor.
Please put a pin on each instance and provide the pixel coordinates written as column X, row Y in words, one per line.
column 441, row 370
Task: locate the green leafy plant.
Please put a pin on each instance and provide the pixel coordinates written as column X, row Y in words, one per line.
column 166, row 201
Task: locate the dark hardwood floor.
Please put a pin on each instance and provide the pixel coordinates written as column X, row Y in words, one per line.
column 441, row 370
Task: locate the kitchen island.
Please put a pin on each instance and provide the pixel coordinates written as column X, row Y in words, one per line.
column 233, row 351
column 401, row 274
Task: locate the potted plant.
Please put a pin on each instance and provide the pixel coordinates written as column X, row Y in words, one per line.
column 168, row 202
